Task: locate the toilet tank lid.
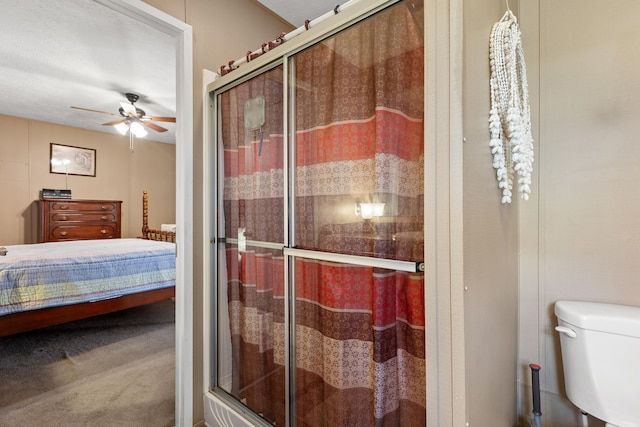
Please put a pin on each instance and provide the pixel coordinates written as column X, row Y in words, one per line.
column 593, row 316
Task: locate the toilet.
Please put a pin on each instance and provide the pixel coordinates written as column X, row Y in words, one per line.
column 600, row 345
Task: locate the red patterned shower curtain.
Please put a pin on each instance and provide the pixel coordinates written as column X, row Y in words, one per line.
column 359, row 331
column 253, row 207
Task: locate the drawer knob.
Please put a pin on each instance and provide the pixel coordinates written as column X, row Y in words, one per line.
column 64, row 218
column 104, row 218
column 103, row 231
column 64, row 233
column 64, row 207
column 104, row 207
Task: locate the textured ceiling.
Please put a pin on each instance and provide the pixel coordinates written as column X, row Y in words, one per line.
column 297, row 11
column 64, row 53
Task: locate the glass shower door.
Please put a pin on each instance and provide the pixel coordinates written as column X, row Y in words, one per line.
column 250, row 287
column 320, row 231
column 358, row 235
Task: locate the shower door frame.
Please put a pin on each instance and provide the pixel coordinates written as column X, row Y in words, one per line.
column 444, row 294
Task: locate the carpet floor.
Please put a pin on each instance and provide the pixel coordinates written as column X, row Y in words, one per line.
column 111, row 370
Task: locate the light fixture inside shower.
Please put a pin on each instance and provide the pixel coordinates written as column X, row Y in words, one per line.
column 369, row 210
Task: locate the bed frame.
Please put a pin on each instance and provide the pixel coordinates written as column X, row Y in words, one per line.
column 35, row 319
column 150, row 233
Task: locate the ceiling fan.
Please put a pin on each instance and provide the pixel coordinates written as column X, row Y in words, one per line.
column 131, row 114
column 132, row 119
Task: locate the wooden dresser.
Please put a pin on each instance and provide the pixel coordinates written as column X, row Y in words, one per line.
column 64, row 219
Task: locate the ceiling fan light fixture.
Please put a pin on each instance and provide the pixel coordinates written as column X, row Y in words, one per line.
column 138, row 130
column 122, row 127
column 130, row 120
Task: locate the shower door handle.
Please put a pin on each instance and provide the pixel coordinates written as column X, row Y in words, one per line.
column 567, row 331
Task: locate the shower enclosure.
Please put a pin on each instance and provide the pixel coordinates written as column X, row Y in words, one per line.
column 317, row 296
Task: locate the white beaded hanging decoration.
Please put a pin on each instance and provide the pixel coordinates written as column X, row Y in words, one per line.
column 510, row 114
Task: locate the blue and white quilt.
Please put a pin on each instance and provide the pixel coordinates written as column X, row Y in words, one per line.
column 60, row 273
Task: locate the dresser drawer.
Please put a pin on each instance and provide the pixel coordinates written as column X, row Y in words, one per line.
column 83, row 217
column 83, row 232
column 83, row 206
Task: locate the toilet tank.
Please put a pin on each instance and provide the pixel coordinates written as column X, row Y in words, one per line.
column 601, row 359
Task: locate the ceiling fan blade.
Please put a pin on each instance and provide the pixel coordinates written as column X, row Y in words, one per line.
column 161, row 119
column 128, row 108
column 153, row 126
column 115, row 122
column 95, row 111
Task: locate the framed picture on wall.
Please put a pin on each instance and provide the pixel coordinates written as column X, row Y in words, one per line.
column 69, row 160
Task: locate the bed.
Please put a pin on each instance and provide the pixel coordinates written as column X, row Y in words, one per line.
column 166, row 233
column 45, row 284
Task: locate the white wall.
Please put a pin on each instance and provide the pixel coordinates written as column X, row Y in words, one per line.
column 579, row 239
column 490, row 242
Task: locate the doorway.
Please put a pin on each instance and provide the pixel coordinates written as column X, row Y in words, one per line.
column 184, row 192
